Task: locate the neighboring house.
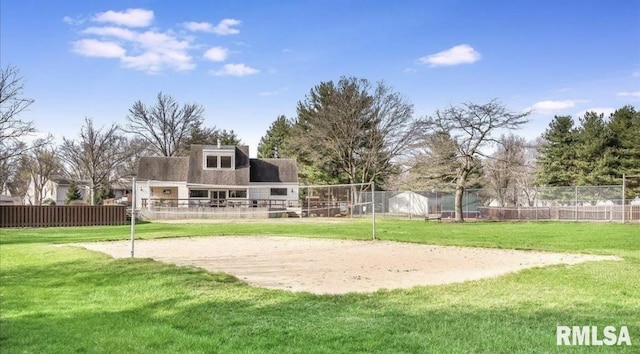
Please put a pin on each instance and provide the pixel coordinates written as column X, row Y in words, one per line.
column 54, row 190
column 215, row 175
column 121, row 190
column 6, row 200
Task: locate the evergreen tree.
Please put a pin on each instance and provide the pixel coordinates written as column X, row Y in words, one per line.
column 624, row 126
column 73, row 193
column 593, row 151
column 556, row 161
column 228, row 138
column 103, row 193
column 274, row 143
column 209, row 136
column 352, row 130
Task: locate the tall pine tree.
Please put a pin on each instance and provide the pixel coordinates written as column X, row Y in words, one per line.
column 274, row 143
column 556, row 162
column 593, row 151
column 625, row 142
column 73, row 193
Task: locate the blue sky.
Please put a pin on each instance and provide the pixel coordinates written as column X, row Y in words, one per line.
column 247, row 62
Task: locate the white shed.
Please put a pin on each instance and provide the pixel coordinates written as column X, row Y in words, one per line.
column 409, row 203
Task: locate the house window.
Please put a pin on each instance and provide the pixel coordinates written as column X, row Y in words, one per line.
column 237, row 193
column 278, row 191
column 221, row 161
column 198, row 193
column 225, row 161
column 212, row 161
column 218, row 194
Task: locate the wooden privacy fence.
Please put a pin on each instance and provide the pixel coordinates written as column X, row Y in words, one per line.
column 73, row 215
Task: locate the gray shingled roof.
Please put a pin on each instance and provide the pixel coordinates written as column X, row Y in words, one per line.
column 161, row 168
column 274, row 170
column 189, row 169
column 239, row 176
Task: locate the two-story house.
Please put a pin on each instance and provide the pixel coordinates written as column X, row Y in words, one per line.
column 215, row 176
column 54, row 191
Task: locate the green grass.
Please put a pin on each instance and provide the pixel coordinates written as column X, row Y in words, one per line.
column 60, row 299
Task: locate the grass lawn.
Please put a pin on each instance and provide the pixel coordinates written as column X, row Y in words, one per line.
column 60, row 299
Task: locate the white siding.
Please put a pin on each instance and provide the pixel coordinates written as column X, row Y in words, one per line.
column 264, row 191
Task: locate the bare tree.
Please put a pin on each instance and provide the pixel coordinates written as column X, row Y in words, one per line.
column 18, row 184
column 392, row 133
column 95, row 156
column 472, row 126
column 526, row 175
column 503, row 167
column 12, row 103
column 9, row 167
column 165, row 126
column 137, row 148
column 43, row 163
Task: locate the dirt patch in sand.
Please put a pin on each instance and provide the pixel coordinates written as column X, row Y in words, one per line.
column 324, row 266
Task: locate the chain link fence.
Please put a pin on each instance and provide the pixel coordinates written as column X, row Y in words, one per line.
column 579, row 203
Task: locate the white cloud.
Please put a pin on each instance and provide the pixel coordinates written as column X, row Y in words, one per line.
column 128, row 18
column 216, row 54
column 198, row 26
column 118, row 32
column 236, row 70
column 223, row 28
column 160, row 51
column 96, row 48
column 629, row 94
column 72, row 21
column 155, row 62
column 158, row 41
column 120, row 35
column 552, row 105
column 460, row 54
column 150, row 51
column 606, row 111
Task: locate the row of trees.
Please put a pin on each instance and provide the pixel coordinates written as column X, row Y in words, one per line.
column 98, row 156
column 355, row 132
column 349, row 131
column 596, row 151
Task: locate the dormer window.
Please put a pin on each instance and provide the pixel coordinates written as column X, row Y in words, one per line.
column 215, row 160
column 225, row 161
column 212, row 161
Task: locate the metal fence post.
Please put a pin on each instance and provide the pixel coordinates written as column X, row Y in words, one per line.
column 373, row 211
column 576, row 205
column 624, row 186
column 133, row 214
